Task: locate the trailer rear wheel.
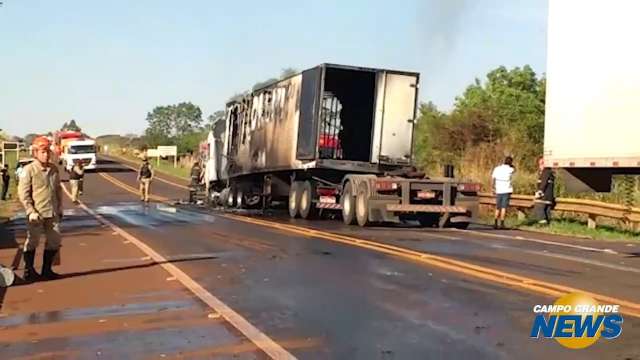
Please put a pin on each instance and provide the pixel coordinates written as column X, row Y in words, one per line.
column 347, row 200
column 294, row 199
column 239, row 198
column 362, row 205
column 308, row 209
column 230, row 198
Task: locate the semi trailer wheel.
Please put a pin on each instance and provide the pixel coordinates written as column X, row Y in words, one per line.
column 362, row 205
column 347, row 200
column 294, row 199
column 239, row 198
column 230, row 198
column 307, row 208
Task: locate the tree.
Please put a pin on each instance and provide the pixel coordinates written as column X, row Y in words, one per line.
column 28, row 139
column 71, row 126
column 504, row 114
column 187, row 118
column 174, row 125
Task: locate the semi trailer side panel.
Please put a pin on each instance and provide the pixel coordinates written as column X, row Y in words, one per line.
column 593, row 84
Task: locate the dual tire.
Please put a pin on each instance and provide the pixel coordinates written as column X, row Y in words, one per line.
column 302, row 200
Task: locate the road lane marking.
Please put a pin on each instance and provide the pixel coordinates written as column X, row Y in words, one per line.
column 491, row 275
column 130, row 188
column 522, row 238
column 496, row 276
column 540, row 241
column 571, row 258
column 124, row 163
column 260, row 339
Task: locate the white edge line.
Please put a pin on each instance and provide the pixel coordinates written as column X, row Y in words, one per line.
column 260, row 339
column 571, row 258
column 547, row 242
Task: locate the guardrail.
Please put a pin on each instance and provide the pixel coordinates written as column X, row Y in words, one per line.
column 593, row 209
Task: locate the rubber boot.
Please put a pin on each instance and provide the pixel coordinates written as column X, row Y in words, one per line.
column 30, row 273
column 495, row 224
column 47, row 262
column 502, row 225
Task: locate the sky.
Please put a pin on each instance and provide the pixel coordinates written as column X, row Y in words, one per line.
column 108, row 63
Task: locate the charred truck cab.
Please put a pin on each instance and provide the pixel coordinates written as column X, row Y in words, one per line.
column 333, row 138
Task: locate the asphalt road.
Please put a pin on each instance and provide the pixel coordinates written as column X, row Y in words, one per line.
column 323, row 290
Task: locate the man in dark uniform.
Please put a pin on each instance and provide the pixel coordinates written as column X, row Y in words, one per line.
column 145, row 175
column 196, row 177
column 545, row 198
column 5, row 181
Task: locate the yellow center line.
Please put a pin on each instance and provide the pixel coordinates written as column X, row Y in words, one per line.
column 130, row 188
column 124, row 163
column 492, row 275
column 477, row 271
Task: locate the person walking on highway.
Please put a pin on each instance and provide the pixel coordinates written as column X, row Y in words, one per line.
column 196, row 178
column 5, row 180
column 145, row 175
column 502, row 188
column 544, row 199
column 40, row 193
column 76, row 177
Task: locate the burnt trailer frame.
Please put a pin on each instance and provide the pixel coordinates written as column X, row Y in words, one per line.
column 282, row 143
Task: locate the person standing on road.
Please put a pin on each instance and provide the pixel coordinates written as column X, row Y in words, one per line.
column 145, row 175
column 40, row 193
column 502, row 188
column 5, row 180
column 76, row 177
column 196, row 178
column 544, row 199
column 19, row 169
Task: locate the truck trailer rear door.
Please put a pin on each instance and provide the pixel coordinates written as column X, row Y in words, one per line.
column 394, row 119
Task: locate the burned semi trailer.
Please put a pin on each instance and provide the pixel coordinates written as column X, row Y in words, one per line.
column 335, row 138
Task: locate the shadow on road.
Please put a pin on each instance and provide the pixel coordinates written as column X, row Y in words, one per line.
column 112, row 170
column 21, row 282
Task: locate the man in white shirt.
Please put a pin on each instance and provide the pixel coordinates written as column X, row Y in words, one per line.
column 502, row 187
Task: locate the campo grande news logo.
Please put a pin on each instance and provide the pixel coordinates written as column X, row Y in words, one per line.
column 577, row 321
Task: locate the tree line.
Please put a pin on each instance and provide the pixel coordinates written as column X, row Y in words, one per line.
column 182, row 124
column 503, row 114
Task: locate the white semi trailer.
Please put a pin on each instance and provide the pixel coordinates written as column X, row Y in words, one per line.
column 592, row 125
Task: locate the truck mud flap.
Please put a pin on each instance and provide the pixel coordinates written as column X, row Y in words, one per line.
column 329, row 206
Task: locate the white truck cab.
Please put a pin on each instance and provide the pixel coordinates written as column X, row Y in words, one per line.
column 83, row 150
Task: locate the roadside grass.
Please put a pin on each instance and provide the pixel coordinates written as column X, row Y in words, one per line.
column 577, row 228
column 568, row 227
